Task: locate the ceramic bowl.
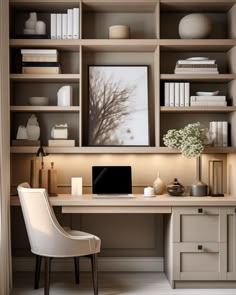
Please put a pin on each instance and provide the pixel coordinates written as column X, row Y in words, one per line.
column 38, row 101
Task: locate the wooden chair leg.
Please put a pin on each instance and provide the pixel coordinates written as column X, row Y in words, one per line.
column 77, row 274
column 37, row 271
column 47, row 271
column 94, row 273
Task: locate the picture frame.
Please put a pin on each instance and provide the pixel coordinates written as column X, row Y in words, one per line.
column 118, row 105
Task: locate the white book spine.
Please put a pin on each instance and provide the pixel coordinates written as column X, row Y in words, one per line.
column 219, row 140
column 225, row 133
column 69, row 23
column 75, row 28
column 181, row 94
column 186, row 94
column 167, row 94
column 213, row 129
column 59, row 26
column 195, row 62
column 53, row 26
column 177, row 100
column 172, row 94
column 64, row 26
column 209, row 103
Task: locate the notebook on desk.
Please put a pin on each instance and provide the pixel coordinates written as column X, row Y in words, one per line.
column 112, row 182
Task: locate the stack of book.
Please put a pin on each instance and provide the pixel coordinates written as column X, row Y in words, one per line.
column 176, row 94
column 219, row 133
column 65, row 25
column 40, row 61
column 196, row 65
column 208, row 100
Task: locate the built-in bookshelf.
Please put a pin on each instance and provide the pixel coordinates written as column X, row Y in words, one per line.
column 154, row 42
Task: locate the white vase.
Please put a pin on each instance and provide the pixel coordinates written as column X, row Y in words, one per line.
column 159, row 186
column 195, row 26
column 40, row 27
column 33, row 132
column 64, row 96
column 31, row 21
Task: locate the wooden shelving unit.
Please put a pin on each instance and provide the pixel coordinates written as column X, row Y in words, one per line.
column 154, row 42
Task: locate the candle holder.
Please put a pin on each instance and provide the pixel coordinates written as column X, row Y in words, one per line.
column 215, row 178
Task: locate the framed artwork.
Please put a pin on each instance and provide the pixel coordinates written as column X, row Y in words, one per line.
column 118, row 106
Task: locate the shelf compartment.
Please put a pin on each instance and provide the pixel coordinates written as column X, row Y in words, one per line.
column 199, row 77
column 198, row 109
column 45, row 77
column 69, row 109
column 220, row 45
column 115, row 150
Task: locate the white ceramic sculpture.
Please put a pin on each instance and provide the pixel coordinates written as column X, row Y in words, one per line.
column 64, row 96
column 159, row 186
column 30, row 23
column 32, row 128
column 60, row 131
column 21, row 132
column 195, row 26
column 119, row 32
column 40, row 28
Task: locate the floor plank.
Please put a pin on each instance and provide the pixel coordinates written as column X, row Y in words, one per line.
column 109, row 284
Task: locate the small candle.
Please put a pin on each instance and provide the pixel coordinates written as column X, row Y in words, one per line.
column 148, row 191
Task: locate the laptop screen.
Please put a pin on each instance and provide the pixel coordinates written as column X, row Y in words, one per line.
column 111, row 180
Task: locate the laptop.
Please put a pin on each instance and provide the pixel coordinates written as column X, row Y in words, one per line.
column 112, row 182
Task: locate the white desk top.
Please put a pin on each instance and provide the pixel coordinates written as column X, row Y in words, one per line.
column 140, row 204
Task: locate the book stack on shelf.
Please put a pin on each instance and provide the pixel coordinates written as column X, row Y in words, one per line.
column 65, row 25
column 40, row 61
column 208, row 100
column 177, row 94
column 219, row 133
column 196, row 65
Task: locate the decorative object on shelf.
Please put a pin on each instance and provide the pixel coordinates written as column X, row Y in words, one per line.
column 119, row 32
column 195, row 26
column 159, row 186
column 43, row 173
column 21, row 132
column 30, row 23
column 190, row 141
column 38, row 101
column 32, row 128
column 52, row 181
column 64, row 96
column 61, row 142
column 34, row 173
column 215, row 178
column 149, row 192
column 175, row 188
column 196, row 65
column 125, row 90
column 76, row 186
column 207, row 93
column 40, row 28
column 60, row 131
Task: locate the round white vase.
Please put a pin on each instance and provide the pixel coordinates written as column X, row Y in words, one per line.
column 159, row 186
column 40, row 27
column 31, row 21
column 195, row 26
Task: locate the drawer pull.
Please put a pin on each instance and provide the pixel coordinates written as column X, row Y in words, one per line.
column 199, row 247
column 200, row 210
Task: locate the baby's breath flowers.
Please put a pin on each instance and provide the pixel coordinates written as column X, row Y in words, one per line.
column 189, row 140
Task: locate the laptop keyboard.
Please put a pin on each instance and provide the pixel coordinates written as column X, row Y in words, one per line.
column 113, row 196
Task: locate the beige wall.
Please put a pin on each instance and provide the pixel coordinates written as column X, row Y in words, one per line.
column 122, row 234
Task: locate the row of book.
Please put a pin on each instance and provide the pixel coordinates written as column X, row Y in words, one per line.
column 208, row 100
column 219, row 133
column 40, row 61
column 197, row 65
column 176, row 94
column 65, row 25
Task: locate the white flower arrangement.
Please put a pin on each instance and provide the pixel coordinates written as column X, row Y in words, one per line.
column 189, row 140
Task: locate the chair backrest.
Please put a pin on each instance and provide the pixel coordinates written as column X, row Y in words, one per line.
column 46, row 236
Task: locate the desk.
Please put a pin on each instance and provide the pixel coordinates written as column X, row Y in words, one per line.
column 200, row 235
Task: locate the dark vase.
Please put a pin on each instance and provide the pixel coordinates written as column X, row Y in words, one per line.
column 175, row 188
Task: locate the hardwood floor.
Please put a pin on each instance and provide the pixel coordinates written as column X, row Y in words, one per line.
column 109, row 284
